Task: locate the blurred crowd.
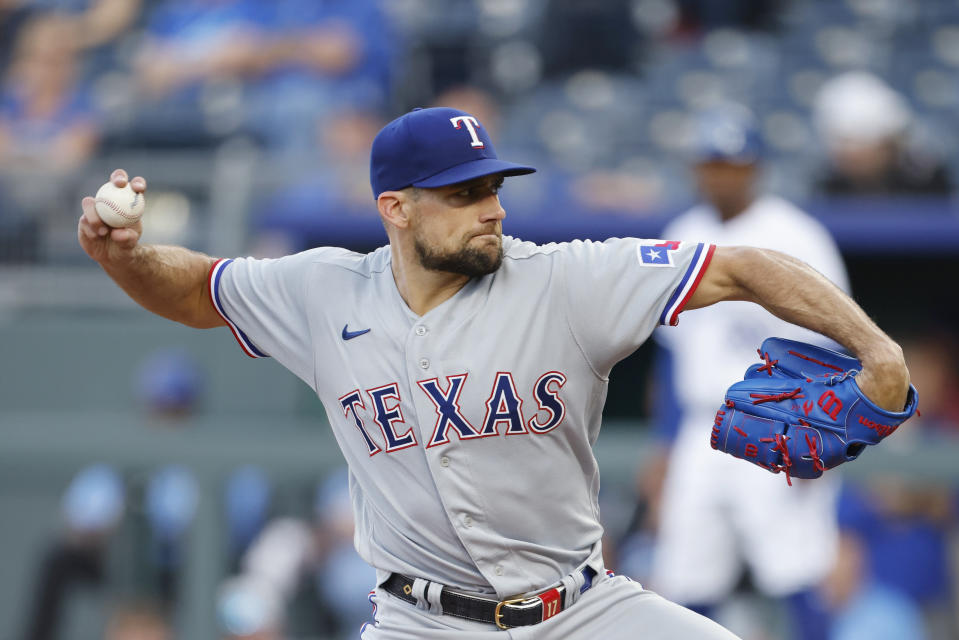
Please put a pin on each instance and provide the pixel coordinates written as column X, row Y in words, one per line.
column 601, row 96
column 115, row 569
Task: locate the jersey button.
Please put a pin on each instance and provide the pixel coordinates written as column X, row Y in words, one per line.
column 468, row 520
column 424, row 363
column 444, row 461
column 498, row 570
column 420, row 330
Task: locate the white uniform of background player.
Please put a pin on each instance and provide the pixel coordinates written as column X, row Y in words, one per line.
column 718, row 514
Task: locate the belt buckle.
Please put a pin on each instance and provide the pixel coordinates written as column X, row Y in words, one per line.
column 498, row 613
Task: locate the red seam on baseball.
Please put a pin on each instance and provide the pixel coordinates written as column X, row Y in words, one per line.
column 116, row 209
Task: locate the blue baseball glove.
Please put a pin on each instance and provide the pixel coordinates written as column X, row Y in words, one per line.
column 801, row 411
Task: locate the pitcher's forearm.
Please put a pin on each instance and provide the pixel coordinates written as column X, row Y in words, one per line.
column 792, row 290
column 169, row 281
column 797, row 293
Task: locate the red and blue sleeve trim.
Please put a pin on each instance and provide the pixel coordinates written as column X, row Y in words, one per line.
column 686, row 287
column 216, row 272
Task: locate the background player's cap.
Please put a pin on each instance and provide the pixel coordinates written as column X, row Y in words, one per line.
column 94, row 501
column 727, row 134
column 248, row 604
column 433, row 148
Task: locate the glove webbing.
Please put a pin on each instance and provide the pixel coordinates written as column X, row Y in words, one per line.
column 768, row 366
column 819, row 362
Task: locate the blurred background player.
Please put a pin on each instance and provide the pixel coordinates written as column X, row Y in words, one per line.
column 74, row 565
column 719, row 519
column 296, row 560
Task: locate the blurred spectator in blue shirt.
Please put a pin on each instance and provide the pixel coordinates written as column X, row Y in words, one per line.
column 191, row 68
column 191, row 41
column 46, row 120
column 94, row 22
column 326, row 56
column 862, row 608
column 48, row 130
column 865, row 127
column 270, row 68
column 904, row 532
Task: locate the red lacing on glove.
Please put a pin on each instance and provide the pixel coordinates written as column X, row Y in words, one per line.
column 776, row 397
column 780, row 441
column 768, row 367
column 813, row 449
column 814, row 454
column 811, row 359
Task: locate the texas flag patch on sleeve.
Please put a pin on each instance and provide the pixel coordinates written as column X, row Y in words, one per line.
column 657, row 255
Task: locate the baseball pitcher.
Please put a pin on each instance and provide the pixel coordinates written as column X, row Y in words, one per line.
column 464, row 374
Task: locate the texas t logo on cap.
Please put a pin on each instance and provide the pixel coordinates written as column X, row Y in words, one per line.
column 434, row 148
column 471, row 124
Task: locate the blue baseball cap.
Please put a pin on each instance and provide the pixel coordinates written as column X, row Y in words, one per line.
column 727, row 134
column 95, row 499
column 434, row 147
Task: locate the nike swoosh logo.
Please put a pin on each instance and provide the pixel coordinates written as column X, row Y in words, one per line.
column 349, row 335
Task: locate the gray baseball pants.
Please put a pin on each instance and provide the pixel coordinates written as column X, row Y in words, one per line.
column 614, row 608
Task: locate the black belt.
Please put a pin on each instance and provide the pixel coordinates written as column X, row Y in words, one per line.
column 505, row 614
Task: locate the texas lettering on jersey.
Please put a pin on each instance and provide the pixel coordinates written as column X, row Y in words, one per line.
column 503, row 411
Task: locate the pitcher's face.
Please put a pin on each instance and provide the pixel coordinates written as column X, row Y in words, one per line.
column 458, row 228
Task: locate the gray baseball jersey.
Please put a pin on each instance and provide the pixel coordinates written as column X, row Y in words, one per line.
column 468, row 430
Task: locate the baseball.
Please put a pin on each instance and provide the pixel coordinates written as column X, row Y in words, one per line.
column 119, row 207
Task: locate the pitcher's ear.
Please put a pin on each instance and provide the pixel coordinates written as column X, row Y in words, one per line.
column 394, row 208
